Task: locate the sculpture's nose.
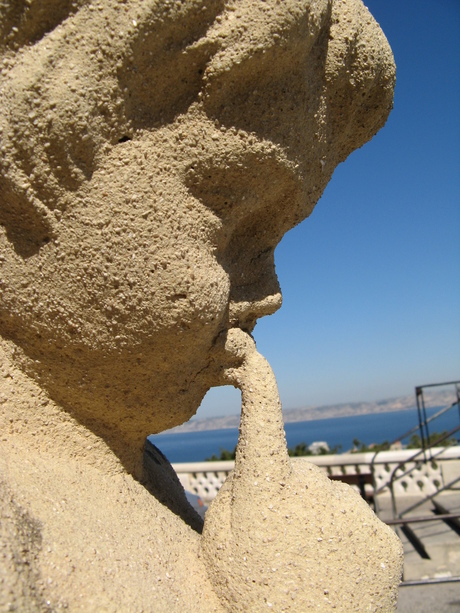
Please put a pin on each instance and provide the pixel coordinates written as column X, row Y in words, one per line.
column 255, row 291
column 244, row 314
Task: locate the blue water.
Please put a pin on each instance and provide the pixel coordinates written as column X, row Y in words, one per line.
column 373, row 428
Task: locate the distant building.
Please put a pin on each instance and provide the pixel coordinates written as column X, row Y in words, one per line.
column 316, row 447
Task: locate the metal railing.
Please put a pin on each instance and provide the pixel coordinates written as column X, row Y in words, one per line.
column 430, row 449
column 429, row 453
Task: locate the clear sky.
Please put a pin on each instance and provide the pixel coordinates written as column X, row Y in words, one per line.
column 371, row 281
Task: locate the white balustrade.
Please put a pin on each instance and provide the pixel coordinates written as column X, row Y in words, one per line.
column 206, row 478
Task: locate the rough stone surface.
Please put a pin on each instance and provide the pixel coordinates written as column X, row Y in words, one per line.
column 313, row 544
column 152, row 155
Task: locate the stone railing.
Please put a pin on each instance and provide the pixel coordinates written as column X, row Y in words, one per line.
column 413, row 477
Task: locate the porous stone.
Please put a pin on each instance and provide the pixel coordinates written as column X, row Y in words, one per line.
column 281, row 535
column 152, row 156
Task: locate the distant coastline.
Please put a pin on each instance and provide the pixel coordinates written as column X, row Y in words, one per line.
column 402, row 403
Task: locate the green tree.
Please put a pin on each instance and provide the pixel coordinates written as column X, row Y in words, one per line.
column 331, row 451
column 302, row 449
column 225, row 456
column 359, row 447
column 299, row 450
column 415, row 441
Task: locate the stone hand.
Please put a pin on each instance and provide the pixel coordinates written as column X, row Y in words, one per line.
column 281, row 535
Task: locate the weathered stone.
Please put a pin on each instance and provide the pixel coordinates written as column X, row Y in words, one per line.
column 152, row 155
column 281, row 534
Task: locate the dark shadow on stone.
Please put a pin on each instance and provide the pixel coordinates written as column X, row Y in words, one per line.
column 21, row 541
column 24, row 22
column 27, row 228
column 160, row 479
column 162, row 73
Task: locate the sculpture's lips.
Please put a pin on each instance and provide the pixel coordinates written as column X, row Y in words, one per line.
column 234, row 348
column 244, row 314
column 239, row 342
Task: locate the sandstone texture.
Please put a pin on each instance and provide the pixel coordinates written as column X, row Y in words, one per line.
column 152, row 155
column 312, row 544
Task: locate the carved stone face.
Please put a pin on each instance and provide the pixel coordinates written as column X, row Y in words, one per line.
column 151, row 166
column 161, row 251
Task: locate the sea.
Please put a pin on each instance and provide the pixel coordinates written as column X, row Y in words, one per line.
column 371, row 428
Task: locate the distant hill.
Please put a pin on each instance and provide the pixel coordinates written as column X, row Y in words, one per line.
column 433, row 398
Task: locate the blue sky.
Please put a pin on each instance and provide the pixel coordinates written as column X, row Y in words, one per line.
column 371, row 281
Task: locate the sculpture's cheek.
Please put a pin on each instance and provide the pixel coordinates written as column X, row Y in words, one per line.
column 108, row 294
column 119, row 336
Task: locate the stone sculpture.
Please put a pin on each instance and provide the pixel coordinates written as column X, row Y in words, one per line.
column 153, row 154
